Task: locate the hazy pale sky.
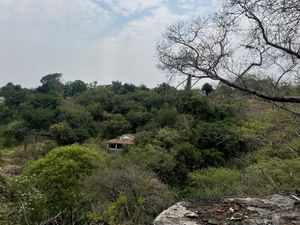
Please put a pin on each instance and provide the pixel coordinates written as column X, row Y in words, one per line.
column 90, row 40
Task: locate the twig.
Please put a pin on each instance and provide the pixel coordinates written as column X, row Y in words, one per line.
column 269, row 178
column 241, row 98
column 286, row 109
column 49, row 220
column 296, row 198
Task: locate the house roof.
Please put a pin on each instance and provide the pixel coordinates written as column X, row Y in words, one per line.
column 125, row 139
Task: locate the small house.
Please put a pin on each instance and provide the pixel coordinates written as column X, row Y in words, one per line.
column 119, row 143
column 2, row 99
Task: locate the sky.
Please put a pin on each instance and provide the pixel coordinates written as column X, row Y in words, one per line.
column 89, row 40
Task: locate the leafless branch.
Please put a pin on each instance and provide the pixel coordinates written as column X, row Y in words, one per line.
column 248, row 37
column 51, row 219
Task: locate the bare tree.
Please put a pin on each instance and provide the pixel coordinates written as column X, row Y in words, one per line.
column 246, row 39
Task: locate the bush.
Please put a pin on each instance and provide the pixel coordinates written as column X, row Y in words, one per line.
column 126, row 194
column 154, row 159
column 212, row 157
column 25, row 202
column 189, row 156
column 63, row 133
column 58, row 177
column 219, row 136
column 167, row 138
column 166, row 116
column 214, row 183
column 271, row 175
column 116, row 125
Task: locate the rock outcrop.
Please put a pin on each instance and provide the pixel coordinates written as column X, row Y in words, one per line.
column 274, row 210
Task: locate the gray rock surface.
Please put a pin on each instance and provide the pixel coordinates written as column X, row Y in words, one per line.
column 177, row 214
column 274, row 210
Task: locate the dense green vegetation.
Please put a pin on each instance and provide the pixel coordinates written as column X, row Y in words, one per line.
column 56, row 169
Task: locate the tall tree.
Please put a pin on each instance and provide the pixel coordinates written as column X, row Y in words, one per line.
column 207, row 88
column 260, row 37
column 188, row 86
column 14, row 94
column 51, row 84
column 73, row 87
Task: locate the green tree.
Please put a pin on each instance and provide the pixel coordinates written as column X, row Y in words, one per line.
column 214, row 183
column 189, row 156
column 116, row 125
column 58, row 177
column 166, row 116
column 14, row 94
column 167, row 138
column 99, row 95
column 74, row 114
column 116, row 87
column 138, row 119
column 51, row 84
column 74, row 87
column 38, row 100
column 128, row 88
column 156, row 159
column 5, row 114
column 207, row 88
column 127, row 194
column 220, row 137
column 121, row 104
column 63, row 133
column 16, row 129
column 79, row 119
column 40, row 118
column 197, row 106
column 96, row 110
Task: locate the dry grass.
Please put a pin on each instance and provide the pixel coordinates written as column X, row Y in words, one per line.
column 13, row 160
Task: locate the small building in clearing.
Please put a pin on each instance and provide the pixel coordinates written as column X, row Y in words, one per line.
column 119, row 143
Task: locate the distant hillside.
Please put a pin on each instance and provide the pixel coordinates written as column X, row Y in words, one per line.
column 56, row 169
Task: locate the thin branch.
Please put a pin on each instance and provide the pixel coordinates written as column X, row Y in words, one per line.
column 252, row 16
column 286, row 109
column 51, row 219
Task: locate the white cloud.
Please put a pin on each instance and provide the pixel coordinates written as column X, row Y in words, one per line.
column 198, row 7
column 127, row 7
column 45, row 36
column 128, row 56
column 71, row 16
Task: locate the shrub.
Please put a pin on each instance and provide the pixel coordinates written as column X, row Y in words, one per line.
column 271, row 175
column 63, row 133
column 126, row 194
column 189, row 156
column 116, row 125
column 214, row 182
column 58, row 177
column 219, row 136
